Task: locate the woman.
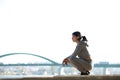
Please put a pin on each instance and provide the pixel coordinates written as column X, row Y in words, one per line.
column 80, row 58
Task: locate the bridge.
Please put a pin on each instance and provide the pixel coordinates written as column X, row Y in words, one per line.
column 1, row 56
column 53, row 63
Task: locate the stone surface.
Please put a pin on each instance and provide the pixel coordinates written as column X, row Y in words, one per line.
column 94, row 77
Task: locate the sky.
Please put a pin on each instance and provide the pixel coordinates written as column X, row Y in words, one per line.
column 44, row 27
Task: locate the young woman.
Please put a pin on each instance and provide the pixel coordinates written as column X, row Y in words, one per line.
column 80, row 58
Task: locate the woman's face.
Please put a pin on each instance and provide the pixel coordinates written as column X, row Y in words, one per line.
column 75, row 38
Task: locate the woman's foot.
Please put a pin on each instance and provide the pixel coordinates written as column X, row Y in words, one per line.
column 85, row 73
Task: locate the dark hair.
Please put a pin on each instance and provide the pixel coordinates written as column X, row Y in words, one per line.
column 78, row 34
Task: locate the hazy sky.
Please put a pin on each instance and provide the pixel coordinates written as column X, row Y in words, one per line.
column 44, row 27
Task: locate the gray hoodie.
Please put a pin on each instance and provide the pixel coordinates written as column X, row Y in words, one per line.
column 81, row 51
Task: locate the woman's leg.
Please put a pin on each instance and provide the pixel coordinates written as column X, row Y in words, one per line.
column 80, row 64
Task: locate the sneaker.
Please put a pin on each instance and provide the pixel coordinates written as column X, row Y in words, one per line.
column 86, row 73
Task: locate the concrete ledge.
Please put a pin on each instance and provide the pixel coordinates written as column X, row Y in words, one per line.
column 107, row 77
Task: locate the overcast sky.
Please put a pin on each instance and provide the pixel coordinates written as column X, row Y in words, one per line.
column 44, row 27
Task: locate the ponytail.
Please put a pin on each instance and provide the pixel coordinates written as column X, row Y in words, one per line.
column 83, row 38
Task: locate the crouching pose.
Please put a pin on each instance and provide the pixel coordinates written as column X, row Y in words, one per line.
column 80, row 59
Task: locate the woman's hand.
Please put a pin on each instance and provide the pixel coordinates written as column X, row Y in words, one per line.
column 65, row 62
